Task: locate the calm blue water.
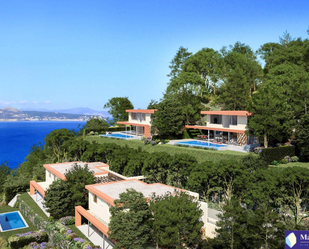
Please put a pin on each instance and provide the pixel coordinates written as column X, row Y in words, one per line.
column 13, row 220
column 117, row 136
column 17, row 138
column 202, row 144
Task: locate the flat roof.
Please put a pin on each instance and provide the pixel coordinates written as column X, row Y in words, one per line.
column 111, row 191
column 142, row 110
column 235, row 113
column 59, row 169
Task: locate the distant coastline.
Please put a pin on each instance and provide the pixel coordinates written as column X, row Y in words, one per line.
column 56, row 120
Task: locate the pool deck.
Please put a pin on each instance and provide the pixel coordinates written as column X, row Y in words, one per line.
column 227, row 147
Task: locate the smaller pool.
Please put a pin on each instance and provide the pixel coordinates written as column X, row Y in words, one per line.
column 117, row 136
column 12, row 221
column 202, row 144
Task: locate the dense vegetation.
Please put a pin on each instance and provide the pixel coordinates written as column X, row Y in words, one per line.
column 258, row 202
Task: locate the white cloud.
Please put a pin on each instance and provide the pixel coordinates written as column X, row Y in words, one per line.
column 35, row 102
column 23, row 102
column 6, row 102
column 47, row 102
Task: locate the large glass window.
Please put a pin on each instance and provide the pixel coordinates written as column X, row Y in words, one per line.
column 134, row 115
column 233, row 120
column 143, row 116
column 216, row 119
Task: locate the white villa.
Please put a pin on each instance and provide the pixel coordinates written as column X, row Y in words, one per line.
column 228, row 125
column 141, row 119
column 102, row 196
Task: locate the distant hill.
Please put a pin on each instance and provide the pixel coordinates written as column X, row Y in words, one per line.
column 80, row 111
column 13, row 114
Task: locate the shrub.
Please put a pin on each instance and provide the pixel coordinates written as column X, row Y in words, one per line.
column 284, row 161
column 146, row 141
column 288, row 159
column 68, row 220
column 20, row 240
column 91, row 133
column 294, row 159
column 153, row 143
column 275, row 162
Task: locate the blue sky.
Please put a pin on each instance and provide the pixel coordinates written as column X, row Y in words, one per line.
column 66, row 54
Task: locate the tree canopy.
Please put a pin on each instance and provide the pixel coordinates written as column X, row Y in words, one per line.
column 117, row 108
column 130, row 222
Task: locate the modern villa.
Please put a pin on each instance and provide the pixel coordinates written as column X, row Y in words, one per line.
column 56, row 171
column 102, row 196
column 141, row 119
column 225, row 125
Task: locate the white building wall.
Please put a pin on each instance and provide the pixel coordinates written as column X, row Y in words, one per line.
column 241, row 123
column 139, row 120
column 51, row 178
column 100, row 209
column 225, row 121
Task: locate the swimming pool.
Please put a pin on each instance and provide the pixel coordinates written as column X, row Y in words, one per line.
column 12, row 221
column 202, row 144
column 116, row 135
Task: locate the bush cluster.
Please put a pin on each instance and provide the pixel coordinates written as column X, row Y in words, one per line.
column 20, row 240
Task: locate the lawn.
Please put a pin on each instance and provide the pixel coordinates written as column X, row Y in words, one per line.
column 200, row 154
column 296, row 164
column 31, row 203
column 6, row 235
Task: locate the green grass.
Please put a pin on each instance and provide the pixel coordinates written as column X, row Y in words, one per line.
column 6, row 235
column 199, row 154
column 296, row 164
column 31, row 203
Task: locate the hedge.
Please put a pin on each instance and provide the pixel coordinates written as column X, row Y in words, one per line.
column 11, row 191
column 20, row 240
column 111, row 129
column 277, row 154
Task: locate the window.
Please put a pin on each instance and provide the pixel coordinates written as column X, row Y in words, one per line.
column 49, row 174
column 95, row 198
column 134, row 116
column 216, row 119
column 233, row 120
column 143, row 116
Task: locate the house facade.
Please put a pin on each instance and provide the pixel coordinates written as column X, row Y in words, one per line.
column 141, row 120
column 102, row 196
column 230, row 126
column 56, row 171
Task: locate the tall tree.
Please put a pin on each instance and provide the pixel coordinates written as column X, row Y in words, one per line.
column 302, row 135
column 117, row 108
column 176, row 220
column 294, row 182
column 205, row 63
column 130, row 222
column 169, row 120
column 55, row 140
column 58, row 199
column 77, row 178
column 178, row 61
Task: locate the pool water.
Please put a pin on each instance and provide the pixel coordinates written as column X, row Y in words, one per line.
column 12, row 220
column 117, row 136
column 202, row 144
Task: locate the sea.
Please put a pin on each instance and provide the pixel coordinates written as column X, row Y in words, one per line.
column 17, row 138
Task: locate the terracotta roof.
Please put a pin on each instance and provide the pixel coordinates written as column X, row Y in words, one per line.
column 142, row 110
column 234, row 113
